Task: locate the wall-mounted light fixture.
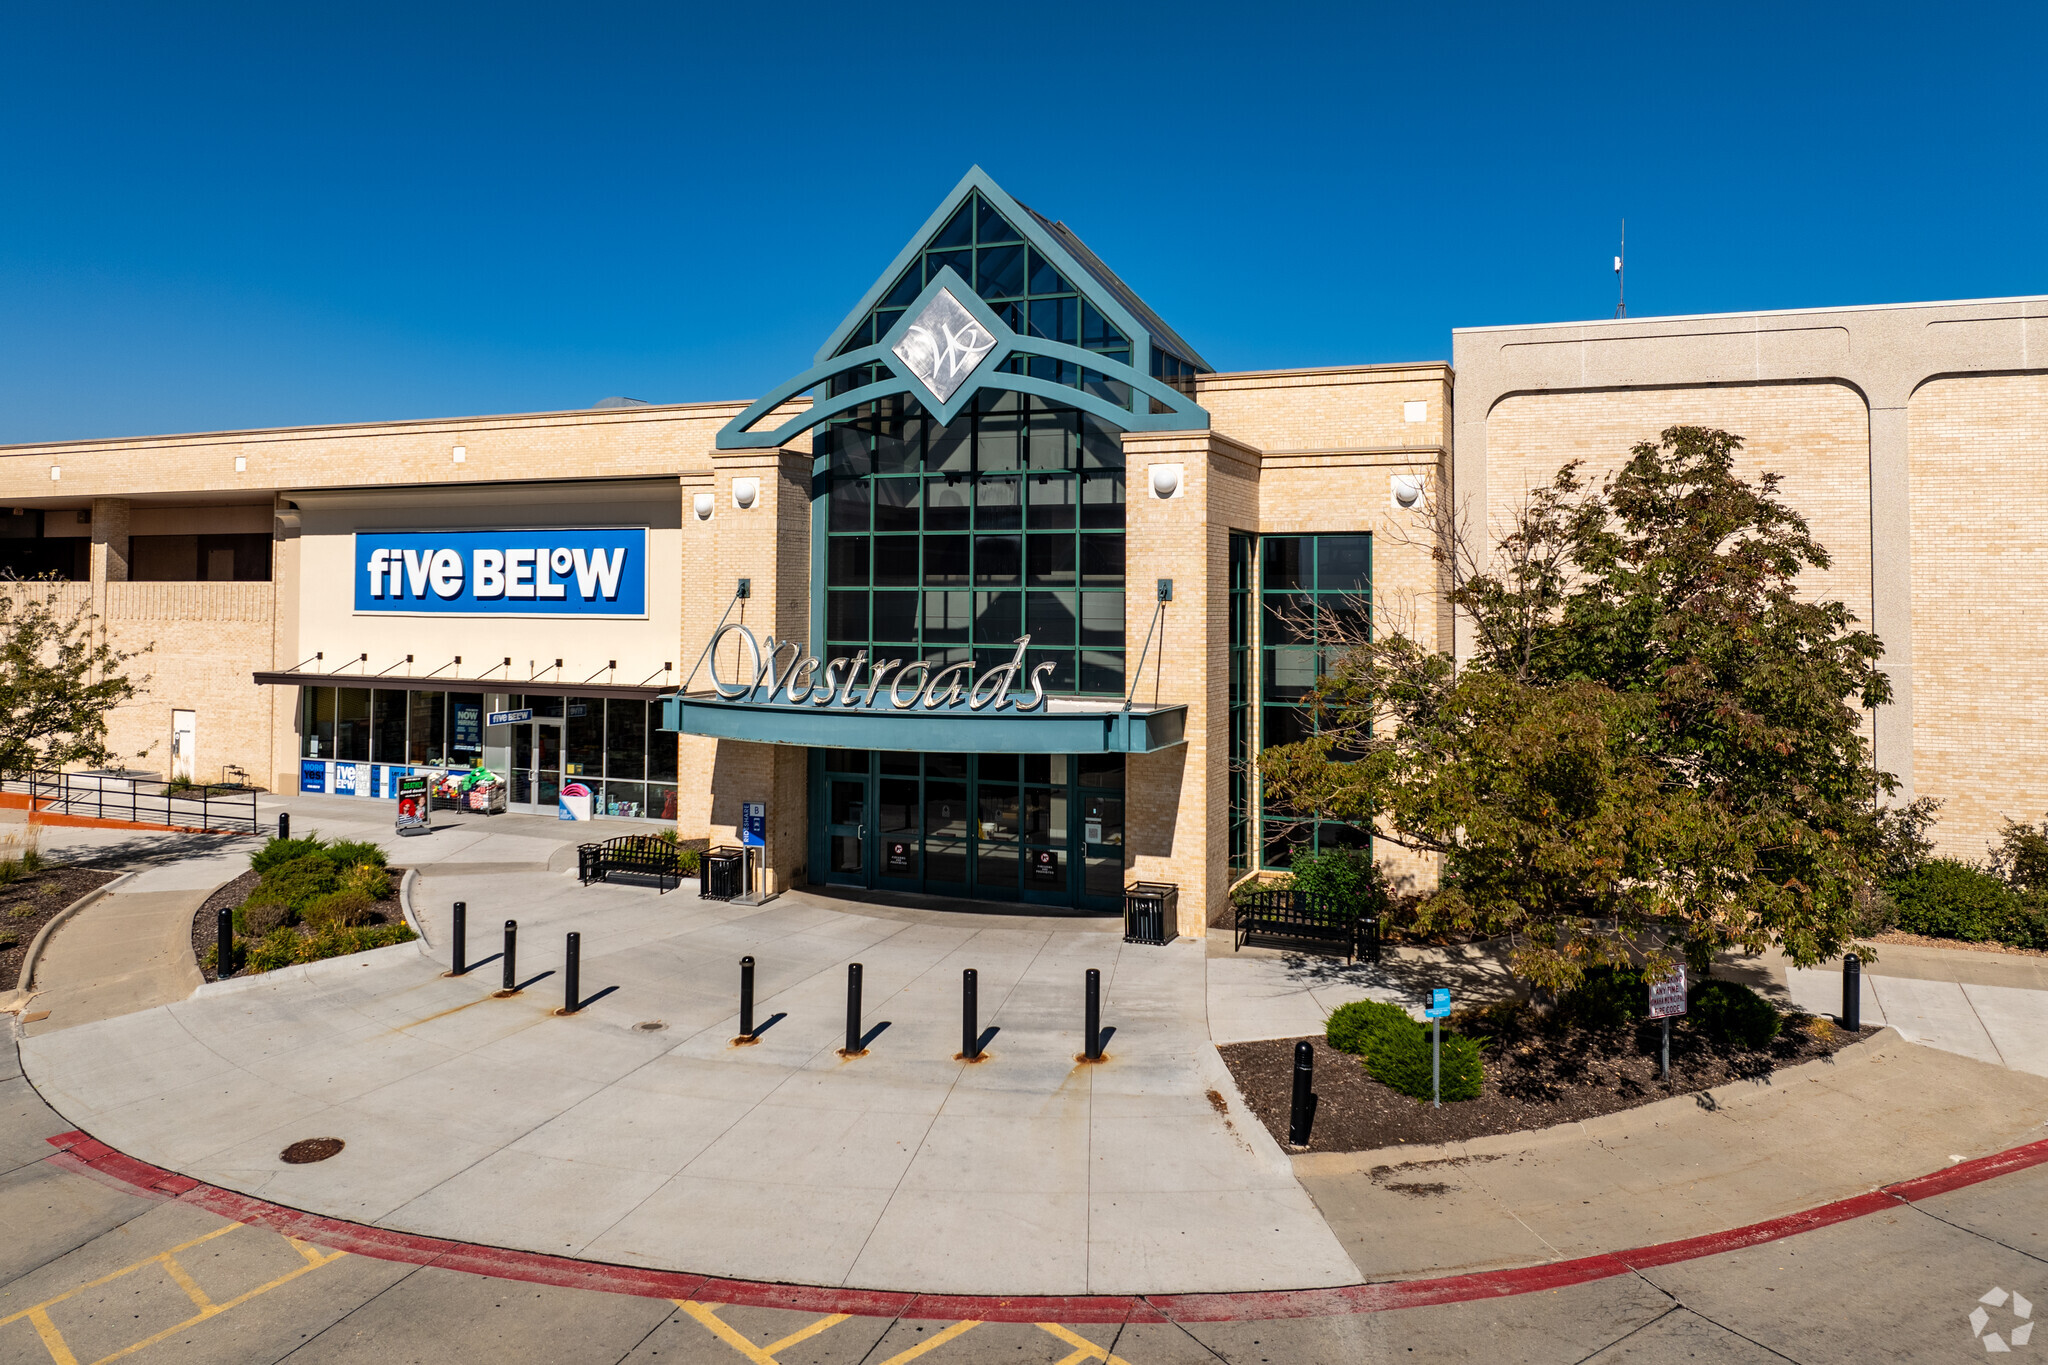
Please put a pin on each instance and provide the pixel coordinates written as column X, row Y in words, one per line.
column 745, row 493
column 56, row 473
column 1407, row 490
column 703, row 504
column 460, row 454
column 1168, row 480
column 241, row 464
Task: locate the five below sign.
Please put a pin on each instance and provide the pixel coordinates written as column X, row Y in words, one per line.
column 503, row 573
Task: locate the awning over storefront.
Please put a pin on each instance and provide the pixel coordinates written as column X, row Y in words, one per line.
column 398, row 682
column 1062, row 726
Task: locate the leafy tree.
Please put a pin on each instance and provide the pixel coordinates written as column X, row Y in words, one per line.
column 1657, row 746
column 59, row 677
column 2021, row 855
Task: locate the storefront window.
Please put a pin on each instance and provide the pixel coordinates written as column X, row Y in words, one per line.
column 427, row 730
column 352, row 724
column 316, row 722
column 583, row 745
column 387, row 726
column 1314, row 591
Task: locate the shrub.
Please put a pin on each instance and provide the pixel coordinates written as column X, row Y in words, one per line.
column 342, row 940
column 2021, row 856
column 345, row 853
column 278, row 948
column 256, row 920
column 692, row 861
column 276, row 853
column 1396, row 1050
column 368, row 878
column 1730, row 1012
column 1945, row 898
column 296, row 883
column 344, row 908
column 8, row 941
column 1347, row 876
column 1605, row 998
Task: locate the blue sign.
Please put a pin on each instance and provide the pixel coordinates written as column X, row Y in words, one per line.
column 312, row 775
column 503, row 573
column 754, row 824
column 1439, row 1004
column 511, row 717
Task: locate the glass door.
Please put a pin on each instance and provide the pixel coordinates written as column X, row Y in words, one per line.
column 846, row 830
column 946, row 826
column 536, row 777
column 899, row 809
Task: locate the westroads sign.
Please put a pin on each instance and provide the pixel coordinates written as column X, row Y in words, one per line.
column 943, row 345
column 595, row 573
column 781, row 673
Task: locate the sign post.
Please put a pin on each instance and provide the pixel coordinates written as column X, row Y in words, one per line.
column 1439, row 1007
column 754, row 835
column 1667, row 997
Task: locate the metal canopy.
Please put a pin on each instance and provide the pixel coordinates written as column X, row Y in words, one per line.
column 1065, row 727
column 446, row 684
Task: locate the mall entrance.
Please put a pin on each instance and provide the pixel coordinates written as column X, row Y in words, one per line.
column 1045, row 829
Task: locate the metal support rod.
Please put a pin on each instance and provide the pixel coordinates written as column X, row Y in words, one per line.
column 1436, row 1070
column 1852, row 993
column 1667, row 1049
column 970, row 1015
column 284, row 824
column 224, row 937
column 852, row 1008
column 746, row 997
column 460, row 939
column 572, row 976
column 1302, row 1113
column 1091, row 1024
column 511, row 954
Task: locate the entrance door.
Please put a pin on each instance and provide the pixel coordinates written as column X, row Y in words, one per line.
column 536, row 765
column 184, row 736
column 846, row 831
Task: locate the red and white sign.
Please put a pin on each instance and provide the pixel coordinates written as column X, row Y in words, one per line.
column 1667, row 994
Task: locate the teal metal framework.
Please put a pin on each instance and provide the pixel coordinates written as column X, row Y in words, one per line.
column 953, row 730
column 1181, row 413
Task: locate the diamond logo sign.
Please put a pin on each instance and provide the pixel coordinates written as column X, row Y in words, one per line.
column 943, row 345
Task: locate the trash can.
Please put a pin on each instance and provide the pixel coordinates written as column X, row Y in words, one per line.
column 1151, row 912
column 725, row 874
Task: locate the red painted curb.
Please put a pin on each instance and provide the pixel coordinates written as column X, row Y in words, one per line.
column 81, row 1152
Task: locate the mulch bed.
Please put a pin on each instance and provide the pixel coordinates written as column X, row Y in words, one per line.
column 27, row 905
column 1533, row 1080
column 205, row 927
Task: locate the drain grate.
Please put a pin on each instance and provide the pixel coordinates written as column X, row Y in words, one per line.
column 308, row 1150
column 650, row 1026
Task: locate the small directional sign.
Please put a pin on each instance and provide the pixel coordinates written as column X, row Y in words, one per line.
column 1439, row 1004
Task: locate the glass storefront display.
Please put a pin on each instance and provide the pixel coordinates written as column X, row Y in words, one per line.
column 1042, row 828
column 364, row 735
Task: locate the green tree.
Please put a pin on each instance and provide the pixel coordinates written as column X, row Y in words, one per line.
column 1657, row 745
column 59, row 677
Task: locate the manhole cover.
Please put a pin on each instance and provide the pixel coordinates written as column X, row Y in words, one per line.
column 650, row 1026
column 307, row 1150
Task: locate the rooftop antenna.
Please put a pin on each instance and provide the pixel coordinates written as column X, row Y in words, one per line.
column 1620, row 280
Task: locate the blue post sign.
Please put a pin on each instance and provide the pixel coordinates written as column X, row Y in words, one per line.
column 1439, row 1004
column 754, row 824
column 1438, row 1009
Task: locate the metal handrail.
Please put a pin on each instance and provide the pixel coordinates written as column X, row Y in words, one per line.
column 137, row 800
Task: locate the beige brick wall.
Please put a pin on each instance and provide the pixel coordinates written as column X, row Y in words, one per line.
column 1816, row 435
column 1359, row 407
column 1980, row 566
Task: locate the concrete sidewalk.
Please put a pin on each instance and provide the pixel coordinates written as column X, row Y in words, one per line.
column 493, row 1120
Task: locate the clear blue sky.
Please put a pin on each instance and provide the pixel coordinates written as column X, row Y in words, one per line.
column 224, row 216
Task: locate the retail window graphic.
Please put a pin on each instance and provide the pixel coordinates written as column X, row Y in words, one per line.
column 579, row 573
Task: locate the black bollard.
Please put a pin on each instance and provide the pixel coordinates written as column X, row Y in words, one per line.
column 460, row 939
column 746, row 997
column 970, row 1015
column 511, row 954
column 1852, row 993
column 572, row 997
column 224, row 937
column 1092, row 1023
column 284, row 824
column 852, row 1009
column 1302, row 1116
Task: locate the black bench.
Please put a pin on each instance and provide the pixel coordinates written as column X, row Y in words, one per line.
column 1295, row 916
column 644, row 855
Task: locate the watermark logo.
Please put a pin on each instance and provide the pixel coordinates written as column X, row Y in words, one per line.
column 2016, row 1332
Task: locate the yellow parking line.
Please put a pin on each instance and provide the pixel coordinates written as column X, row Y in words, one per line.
column 53, row 1340
column 932, row 1343
column 220, row 1308
column 1084, row 1349
column 124, row 1270
column 185, row 1282
column 707, row 1314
